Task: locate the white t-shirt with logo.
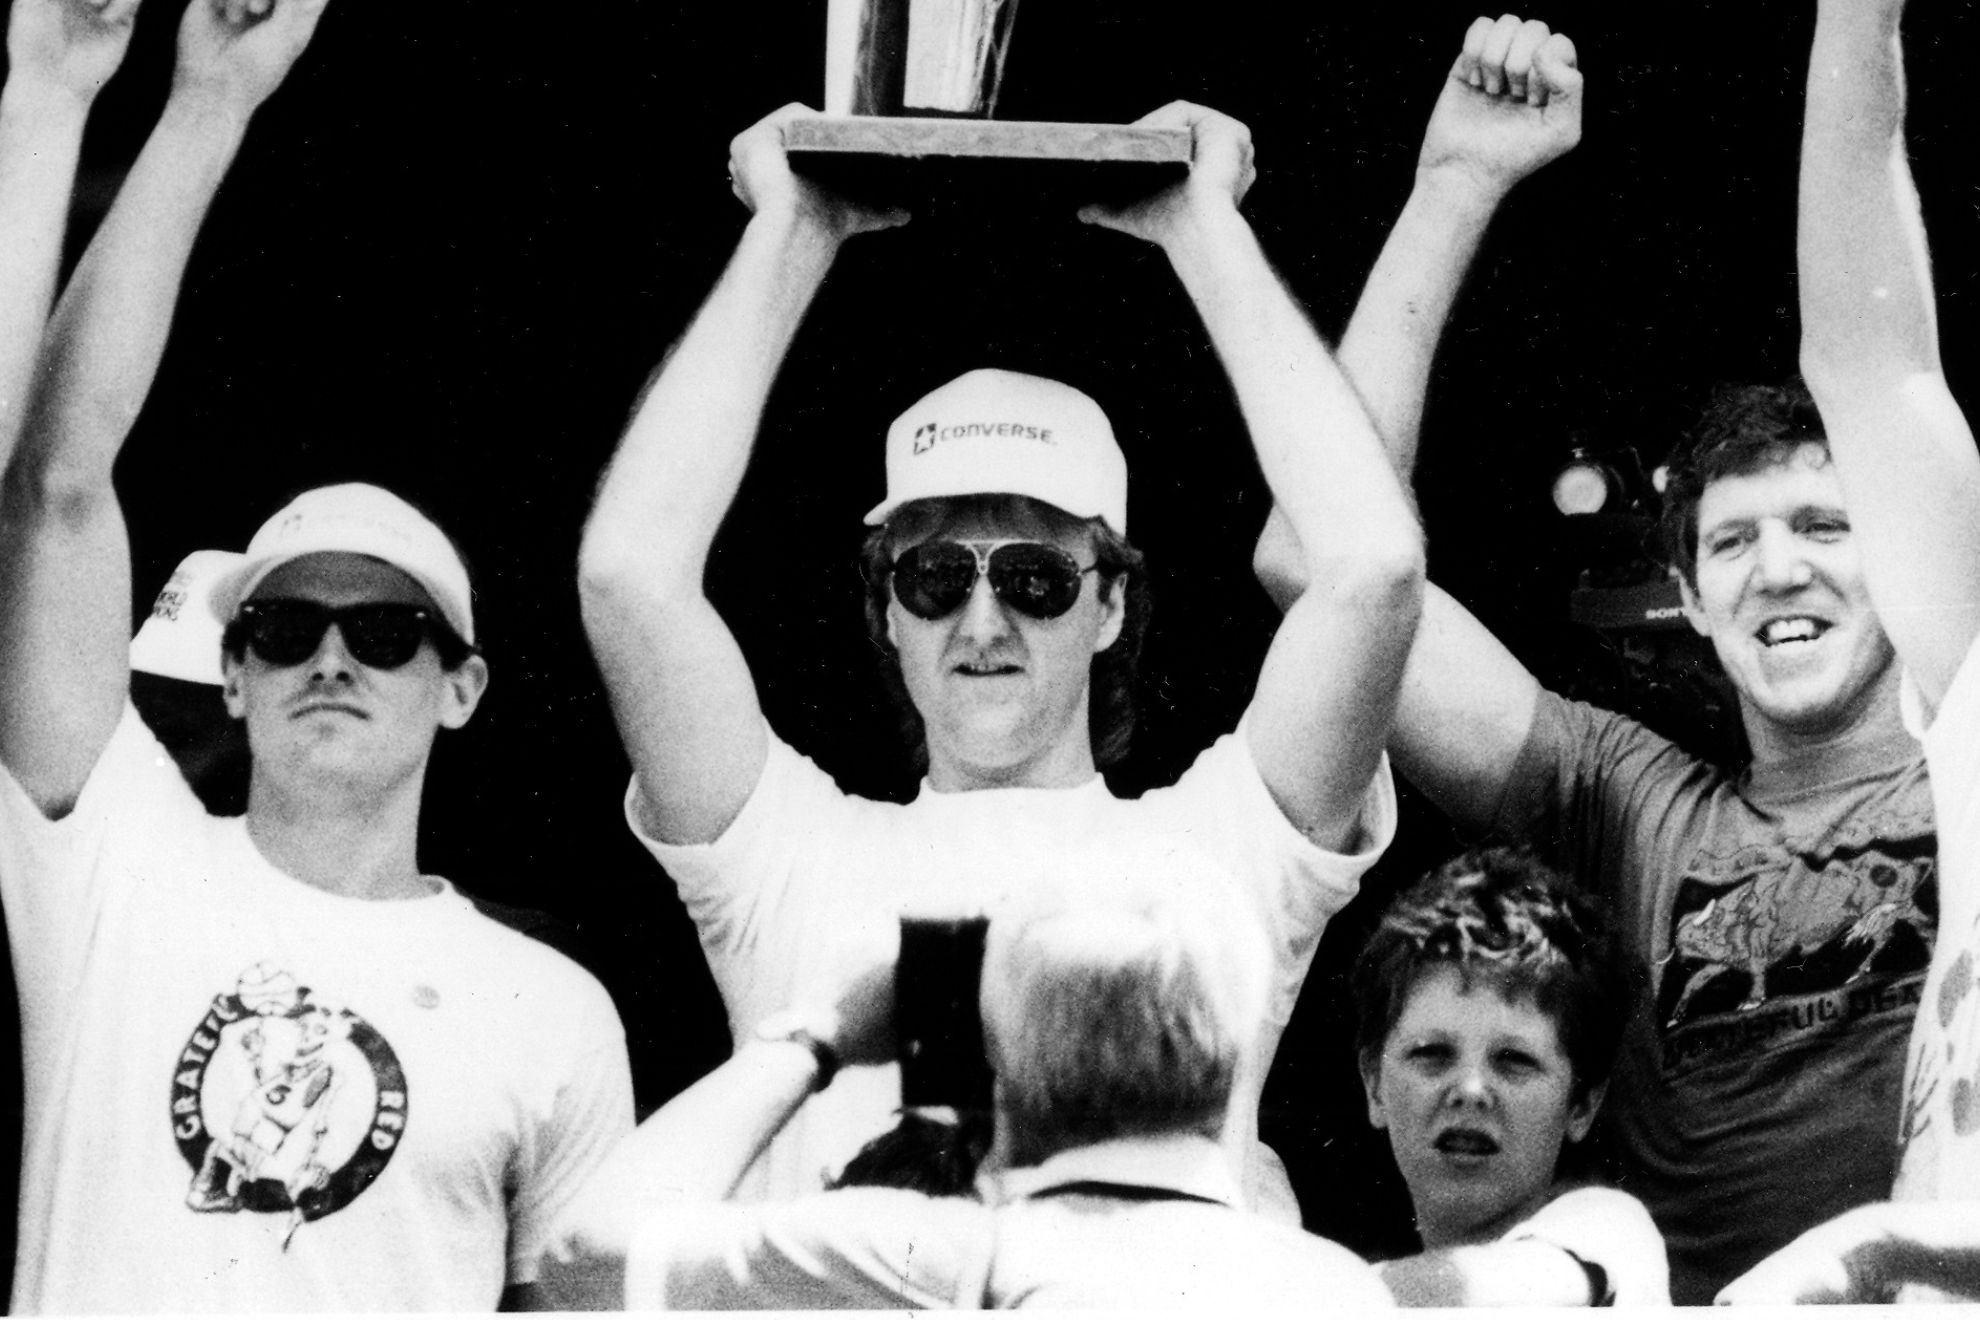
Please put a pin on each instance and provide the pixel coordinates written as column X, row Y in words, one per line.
column 806, row 872
column 245, row 1093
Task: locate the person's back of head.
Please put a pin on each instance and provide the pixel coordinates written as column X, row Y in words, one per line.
column 1120, row 1015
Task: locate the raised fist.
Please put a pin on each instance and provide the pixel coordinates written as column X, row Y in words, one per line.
column 72, row 44
column 241, row 50
column 1511, row 104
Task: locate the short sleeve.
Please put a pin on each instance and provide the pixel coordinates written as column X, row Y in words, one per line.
column 1950, row 745
column 36, row 854
column 50, row 874
column 1583, row 768
column 1297, row 884
column 592, row 1112
column 1594, row 793
column 1611, row 1229
column 866, row 1248
column 735, row 885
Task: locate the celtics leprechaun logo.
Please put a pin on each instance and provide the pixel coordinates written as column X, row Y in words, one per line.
column 283, row 1103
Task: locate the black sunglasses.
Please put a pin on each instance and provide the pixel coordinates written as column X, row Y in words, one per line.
column 383, row 635
column 934, row 579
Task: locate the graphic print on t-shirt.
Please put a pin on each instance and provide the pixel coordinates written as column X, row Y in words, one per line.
column 1945, row 1057
column 283, row 1103
column 1778, row 944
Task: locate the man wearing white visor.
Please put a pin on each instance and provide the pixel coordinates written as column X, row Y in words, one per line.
column 270, row 1065
column 1001, row 581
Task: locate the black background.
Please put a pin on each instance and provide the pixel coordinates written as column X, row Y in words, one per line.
column 461, row 235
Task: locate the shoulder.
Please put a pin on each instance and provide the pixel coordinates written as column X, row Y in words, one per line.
column 531, row 968
column 791, row 794
column 135, row 803
column 1319, row 1267
column 135, row 781
column 867, row 1247
column 1590, row 763
column 1600, row 737
column 1225, row 788
column 1579, row 1206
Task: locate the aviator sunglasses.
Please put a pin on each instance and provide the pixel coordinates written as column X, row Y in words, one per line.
column 1040, row 581
column 380, row 635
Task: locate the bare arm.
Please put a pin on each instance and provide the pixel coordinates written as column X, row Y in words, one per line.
column 59, row 55
column 1870, row 349
column 65, row 560
column 681, row 690
column 1466, row 708
column 1525, row 1273
column 695, row 1148
column 1871, row 1255
column 698, row 1146
column 1511, row 103
column 1326, row 694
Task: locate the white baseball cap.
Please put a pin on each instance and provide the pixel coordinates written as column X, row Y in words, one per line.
column 992, row 432
column 181, row 636
column 357, row 519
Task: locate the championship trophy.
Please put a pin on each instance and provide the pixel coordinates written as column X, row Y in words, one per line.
column 910, row 98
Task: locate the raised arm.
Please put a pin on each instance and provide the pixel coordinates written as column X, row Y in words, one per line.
column 1510, row 104
column 1326, row 693
column 680, row 688
column 64, row 554
column 1870, row 353
column 59, row 54
column 1870, row 346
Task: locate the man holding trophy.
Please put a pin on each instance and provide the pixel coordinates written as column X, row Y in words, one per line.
column 1006, row 494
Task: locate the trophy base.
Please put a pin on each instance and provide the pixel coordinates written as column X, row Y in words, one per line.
column 915, row 162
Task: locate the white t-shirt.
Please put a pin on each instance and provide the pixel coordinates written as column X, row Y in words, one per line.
column 245, row 1093
column 806, row 871
column 1939, row 1137
column 1605, row 1227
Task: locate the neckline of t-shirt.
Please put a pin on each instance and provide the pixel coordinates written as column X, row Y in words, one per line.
column 292, row 889
column 965, row 797
column 1825, row 769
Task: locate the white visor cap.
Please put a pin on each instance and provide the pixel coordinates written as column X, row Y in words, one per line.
column 992, row 432
column 356, row 519
column 180, row 638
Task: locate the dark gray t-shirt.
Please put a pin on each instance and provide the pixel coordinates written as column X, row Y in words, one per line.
column 1786, row 919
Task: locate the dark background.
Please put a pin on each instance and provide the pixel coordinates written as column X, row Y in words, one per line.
column 461, row 236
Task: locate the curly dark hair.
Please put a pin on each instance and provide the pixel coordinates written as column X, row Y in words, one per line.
column 1110, row 711
column 1744, row 429
column 1502, row 915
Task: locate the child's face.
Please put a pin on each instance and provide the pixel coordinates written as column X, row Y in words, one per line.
column 1477, row 1096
